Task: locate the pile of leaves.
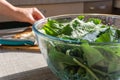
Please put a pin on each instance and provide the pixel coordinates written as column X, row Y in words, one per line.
column 95, row 58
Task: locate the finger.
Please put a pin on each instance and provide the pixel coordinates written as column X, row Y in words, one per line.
column 32, row 20
column 37, row 14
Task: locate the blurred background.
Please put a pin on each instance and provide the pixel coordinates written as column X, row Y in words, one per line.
column 58, row 7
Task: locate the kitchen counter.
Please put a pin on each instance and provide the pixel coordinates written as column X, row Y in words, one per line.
column 23, row 65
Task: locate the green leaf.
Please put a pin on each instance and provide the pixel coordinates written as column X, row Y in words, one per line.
column 107, row 53
column 67, row 30
column 75, row 24
column 81, row 17
column 113, row 48
column 92, row 55
column 116, row 50
column 95, row 20
column 50, row 31
column 118, row 34
column 114, row 64
column 111, row 58
column 59, row 59
column 52, row 27
column 105, row 37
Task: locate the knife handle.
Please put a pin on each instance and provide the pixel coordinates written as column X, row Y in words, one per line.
column 15, row 42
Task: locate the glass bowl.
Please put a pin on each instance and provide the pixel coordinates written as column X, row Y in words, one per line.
column 71, row 60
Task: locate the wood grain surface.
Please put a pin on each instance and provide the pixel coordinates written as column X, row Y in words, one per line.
column 34, row 48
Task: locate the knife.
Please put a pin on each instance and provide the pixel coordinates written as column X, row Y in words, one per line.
column 16, row 42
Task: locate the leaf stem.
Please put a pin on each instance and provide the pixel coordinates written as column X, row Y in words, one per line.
column 82, row 65
column 100, row 72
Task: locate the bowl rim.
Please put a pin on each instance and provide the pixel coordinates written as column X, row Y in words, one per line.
column 34, row 27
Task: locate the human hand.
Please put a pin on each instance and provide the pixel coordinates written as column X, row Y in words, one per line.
column 27, row 14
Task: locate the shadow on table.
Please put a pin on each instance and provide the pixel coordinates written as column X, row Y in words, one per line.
column 36, row 74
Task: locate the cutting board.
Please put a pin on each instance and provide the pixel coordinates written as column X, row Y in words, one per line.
column 18, row 35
